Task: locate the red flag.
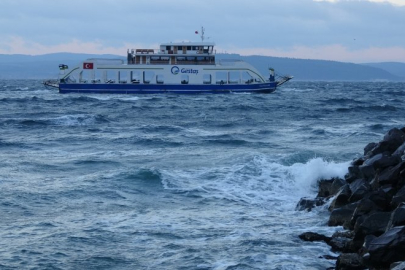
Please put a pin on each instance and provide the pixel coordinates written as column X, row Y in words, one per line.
column 196, row 32
column 87, row 65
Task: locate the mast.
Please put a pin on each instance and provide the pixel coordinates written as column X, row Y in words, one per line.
column 202, row 34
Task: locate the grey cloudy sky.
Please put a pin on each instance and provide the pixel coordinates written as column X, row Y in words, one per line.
column 347, row 30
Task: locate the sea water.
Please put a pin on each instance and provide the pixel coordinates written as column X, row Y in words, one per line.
column 178, row 182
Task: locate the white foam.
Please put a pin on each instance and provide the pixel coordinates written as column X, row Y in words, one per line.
column 306, row 175
column 258, row 181
column 74, row 120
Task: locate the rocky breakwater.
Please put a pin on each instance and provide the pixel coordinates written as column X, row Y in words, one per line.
column 370, row 206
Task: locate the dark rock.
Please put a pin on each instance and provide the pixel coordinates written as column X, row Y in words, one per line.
column 373, row 224
column 367, row 241
column 369, row 147
column 386, row 161
column 342, row 216
column 380, row 198
column 349, row 261
column 358, row 161
column 308, row 204
column 329, row 257
column 324, row 187
column 397, row 217
column 359, row 189
column 397, row 266
column 388, row 248
column 365, row 206
column 391, row 174
column 392, row 140
column 372, row 160
column 336, row 185
column 400, row 151
column 399, row 197
column 341, row 244
column 330, row 187
column 367, row 171
column 341, row 198
column 314, row 237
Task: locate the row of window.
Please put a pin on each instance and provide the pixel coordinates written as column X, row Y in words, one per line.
column 221, row 77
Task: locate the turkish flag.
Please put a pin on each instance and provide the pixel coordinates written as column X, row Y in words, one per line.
column 87, row 65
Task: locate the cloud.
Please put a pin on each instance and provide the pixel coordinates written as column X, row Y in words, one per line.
column 335, row 52
column 41, row 26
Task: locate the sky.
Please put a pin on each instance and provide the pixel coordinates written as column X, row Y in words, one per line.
column 357, row 31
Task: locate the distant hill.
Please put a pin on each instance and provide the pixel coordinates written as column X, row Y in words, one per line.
column 395, row 68
column 319, row 70
column 20, row 66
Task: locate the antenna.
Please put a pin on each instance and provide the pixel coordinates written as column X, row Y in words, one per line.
column 202, row 34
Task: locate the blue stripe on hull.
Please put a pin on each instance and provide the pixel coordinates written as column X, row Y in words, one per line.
column 161, row 88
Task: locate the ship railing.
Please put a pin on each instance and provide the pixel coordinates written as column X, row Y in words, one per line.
column 178, row 52
column 228, row 62
column 101, row 61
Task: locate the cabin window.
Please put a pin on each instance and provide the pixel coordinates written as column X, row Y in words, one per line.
column 97, row 76
column 233, row 77
column 148, row 76
column 168, row 48
column 85, row 76
column 122, row 76
column 160, row 79
column 188, row 48
column 246, row 77
column 135, row 76
column 207, row 79
column 180, row 48
column 111, row 76
column 221, row 77
column 184, row 79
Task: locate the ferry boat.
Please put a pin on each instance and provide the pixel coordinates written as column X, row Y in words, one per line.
column 179, row 68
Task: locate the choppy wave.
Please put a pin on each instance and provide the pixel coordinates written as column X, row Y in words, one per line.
column 177, row 182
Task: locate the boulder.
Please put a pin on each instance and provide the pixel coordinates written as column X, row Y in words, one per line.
column 373, row 224
column 341, row 198
column 380, row 198
column 342, row 216
column 369, row 147
column 392, row 140
column 359, row 189
column 349, row 261
column 390, row 175
column 388, row 248
column 397, row 217
column 308, row 204
column 337, row 184
column 385, row 161
column 399, row 197
column 400, row 151
column 340, row 243
column 398, row 266
column 367, row 171
column 364, row 207
column 314, row 237
column 324, row 187
column 329, row 187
